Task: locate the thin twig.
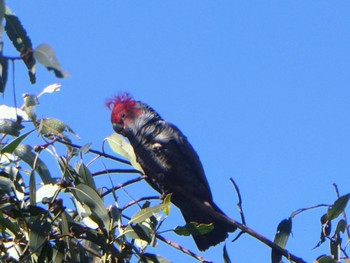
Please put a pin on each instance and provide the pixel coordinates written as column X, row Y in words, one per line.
column 122, row 185
column 106, row 155
column 110, row 171
column 182, row 249
column 239, row 204
column 139, row 200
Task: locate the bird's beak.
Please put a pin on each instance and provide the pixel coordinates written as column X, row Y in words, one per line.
column 117, row 127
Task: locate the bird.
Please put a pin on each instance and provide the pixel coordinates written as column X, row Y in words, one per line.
column 170, row 163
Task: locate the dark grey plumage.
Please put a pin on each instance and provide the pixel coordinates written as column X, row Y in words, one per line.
column 171, row 165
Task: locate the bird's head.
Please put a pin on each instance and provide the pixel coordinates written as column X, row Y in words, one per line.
column 124, row 111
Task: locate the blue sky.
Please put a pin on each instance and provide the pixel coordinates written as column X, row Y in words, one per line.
column 260, row 88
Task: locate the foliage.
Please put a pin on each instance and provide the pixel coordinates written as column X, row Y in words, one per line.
column 57, row 214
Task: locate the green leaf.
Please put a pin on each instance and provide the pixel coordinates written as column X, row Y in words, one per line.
column 146, row 213
column 194, row 229
column 341, row 226
column 154, row 258
column 121, row 147
column 325, row 259
column 10, row 147
column 9, row 226
column 45, row 55
column 338, row 207
column 47, row 190
column 225, row 255
column 25, row 153
column 167, row 200
column 32, row 189
column 334, row 249
column 12, row 173
column 88, row 196
column 10, row 127
column 38, row 233
column 59, row 252
column 20, row 40
column 284, row 230
column 46, row 253
column 12, row 113
column 139, row 231
column 86, row 176
column 6, row 184
column 326, row 229
column 3, row 72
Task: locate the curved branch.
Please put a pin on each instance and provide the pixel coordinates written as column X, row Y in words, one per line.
column 122, row 185
column 139, row 200
column 109, row 171
column 106, row 155
column 182, row 249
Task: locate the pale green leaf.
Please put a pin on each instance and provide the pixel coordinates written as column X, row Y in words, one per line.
column 123, row 148
column 146, row 213
column 88, row 196
column 338, row 207
column 45, row 55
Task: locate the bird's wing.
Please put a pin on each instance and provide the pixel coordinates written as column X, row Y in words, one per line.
column 189, row 169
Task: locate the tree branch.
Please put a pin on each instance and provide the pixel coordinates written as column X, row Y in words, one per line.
column 239, row 204
column 242, row 227
column 124, row 171
column 122, row 185
column 106, row 155
column 182, row 249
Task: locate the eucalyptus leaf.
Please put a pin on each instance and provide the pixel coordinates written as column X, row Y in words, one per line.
column 146, row 213
column 284, row 230
column 26, row 154
column 11, row 146
column 325, row 259
column 3, row 72
column 20, row 40
column 38, row 233
column 338, row 207
column 341, row 226
column 10, row 127
column 45, row 55
column 32, row 189
column 123, row 148
column 47, row 190
column 11, row 180
column 225, row 255
column 12, row 113
column 90, row 197
column 154, row 258
column 86, row 176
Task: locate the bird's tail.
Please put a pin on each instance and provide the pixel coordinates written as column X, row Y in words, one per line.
column 214, row 237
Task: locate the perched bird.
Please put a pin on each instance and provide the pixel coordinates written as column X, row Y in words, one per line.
column 169, row 162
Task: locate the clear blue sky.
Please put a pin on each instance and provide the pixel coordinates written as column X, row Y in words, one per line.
column 260, row 88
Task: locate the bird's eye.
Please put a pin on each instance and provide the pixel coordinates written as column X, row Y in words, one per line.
column 123, row 116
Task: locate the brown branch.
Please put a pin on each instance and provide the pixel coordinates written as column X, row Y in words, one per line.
column 140, row 200
column 182, row 249
column 106, row 155
column 239, row 204
column 122, row 185
column 109, row 171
